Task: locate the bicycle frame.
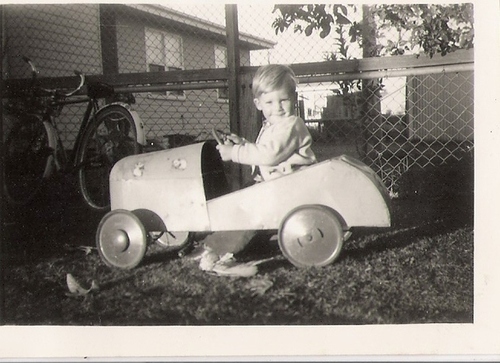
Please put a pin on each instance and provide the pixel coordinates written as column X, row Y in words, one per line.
column 90, row 114
column 105, row 135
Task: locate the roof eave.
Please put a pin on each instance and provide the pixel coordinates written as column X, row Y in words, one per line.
column 251, row 41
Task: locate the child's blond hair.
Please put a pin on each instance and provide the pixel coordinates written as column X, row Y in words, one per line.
column 272, row 77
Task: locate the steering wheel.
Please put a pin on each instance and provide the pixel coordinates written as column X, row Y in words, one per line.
column 219, row 136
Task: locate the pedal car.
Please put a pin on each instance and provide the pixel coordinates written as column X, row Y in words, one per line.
column 166, row 196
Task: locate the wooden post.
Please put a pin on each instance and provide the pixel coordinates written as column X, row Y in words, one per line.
column 245, row 119
column 233, row 64
column 109, row 48
column 371, row 104
column 251, row 118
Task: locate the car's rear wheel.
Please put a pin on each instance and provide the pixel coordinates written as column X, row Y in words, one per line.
column 311, row 235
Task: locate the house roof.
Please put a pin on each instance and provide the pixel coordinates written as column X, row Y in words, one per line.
column 190, row 21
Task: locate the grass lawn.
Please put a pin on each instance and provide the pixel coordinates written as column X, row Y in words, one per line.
column 418, row 271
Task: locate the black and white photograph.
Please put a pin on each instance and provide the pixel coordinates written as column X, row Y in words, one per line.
column 248, row 179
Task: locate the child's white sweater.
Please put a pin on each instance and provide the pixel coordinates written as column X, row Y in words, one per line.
column 280, row 148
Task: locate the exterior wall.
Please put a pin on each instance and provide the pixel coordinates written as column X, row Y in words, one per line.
column 58, row 37
column 198, row 52
column 163, row 116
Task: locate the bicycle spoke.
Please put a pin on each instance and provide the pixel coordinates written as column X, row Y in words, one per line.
column 111, row 138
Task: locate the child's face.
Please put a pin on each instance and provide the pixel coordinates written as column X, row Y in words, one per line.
column 275, row 103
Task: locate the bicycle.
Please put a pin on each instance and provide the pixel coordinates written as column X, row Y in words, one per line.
column 34, row 149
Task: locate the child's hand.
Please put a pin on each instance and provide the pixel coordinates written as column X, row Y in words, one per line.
column 225, row 152
column 285, row 167
column 235, row 139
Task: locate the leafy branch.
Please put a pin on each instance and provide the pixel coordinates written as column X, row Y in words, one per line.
column 435, row 29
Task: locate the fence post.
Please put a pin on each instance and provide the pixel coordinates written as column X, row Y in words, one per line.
column 233, row 64
column 371, row 100
column 249, row 115
column 109, row 51
column 244, row 117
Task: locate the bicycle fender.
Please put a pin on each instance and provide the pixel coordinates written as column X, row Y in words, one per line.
column 139, row 124
column 52, row 139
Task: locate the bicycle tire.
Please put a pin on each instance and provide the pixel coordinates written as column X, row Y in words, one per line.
column 111, row 136
column 29, row 159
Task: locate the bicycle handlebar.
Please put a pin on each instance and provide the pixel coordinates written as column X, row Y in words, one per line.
column 55, row 92
column 79, row 87
column 34, row 71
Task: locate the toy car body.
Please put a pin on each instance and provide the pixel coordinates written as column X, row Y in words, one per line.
column 184, row 190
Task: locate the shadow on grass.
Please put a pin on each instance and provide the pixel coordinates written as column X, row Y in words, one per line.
column 413, row 219
column 398, row 238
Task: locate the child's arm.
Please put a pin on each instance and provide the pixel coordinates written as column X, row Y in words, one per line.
column 268, row 153
column 293, row 162
column 275, row 145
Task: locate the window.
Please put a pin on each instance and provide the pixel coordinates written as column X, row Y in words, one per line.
column 221, row 62
column 164, row 53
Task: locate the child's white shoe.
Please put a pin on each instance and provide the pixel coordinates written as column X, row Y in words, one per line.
column 225, row 265
column 208, row 260
column 230, row 267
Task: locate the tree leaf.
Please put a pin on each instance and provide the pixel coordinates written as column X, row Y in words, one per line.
column 341, row 19
column 338, row 7
column 75, row 289
column 259, row 286
column 86, row 249
column 308, row 30
column 326, row 30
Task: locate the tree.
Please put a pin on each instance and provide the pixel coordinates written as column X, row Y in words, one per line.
column 431, row 28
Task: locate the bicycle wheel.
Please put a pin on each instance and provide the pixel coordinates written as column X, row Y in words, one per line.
column 111, row 136
column 28, row 159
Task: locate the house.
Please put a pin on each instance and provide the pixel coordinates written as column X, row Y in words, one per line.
column 120, row 39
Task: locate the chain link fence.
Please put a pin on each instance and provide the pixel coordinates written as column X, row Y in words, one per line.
column 125, row 39
column 393, row 123
column 398, row 123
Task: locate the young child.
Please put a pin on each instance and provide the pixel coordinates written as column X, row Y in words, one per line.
column 282, row 146
column 284, row 142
